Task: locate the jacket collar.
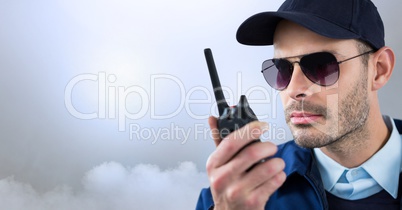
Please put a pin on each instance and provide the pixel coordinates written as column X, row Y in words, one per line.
column 398, row 124
column 301, row 162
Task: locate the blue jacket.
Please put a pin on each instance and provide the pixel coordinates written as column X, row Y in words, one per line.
column 303, row 188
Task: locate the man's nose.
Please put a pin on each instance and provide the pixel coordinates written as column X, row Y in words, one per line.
column 299, row 86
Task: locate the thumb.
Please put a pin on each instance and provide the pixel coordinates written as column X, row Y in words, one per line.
column 213, row 124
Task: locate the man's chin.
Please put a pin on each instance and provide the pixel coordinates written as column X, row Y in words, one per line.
column 309, row 137
column 305, row 144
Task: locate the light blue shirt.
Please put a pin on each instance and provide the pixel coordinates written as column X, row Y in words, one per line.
column 379, row 172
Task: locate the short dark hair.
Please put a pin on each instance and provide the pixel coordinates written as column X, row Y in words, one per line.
column 363, row 47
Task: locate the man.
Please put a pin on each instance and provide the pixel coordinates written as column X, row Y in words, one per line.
column 330, row 61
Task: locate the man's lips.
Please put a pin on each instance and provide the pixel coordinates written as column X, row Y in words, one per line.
column 300, row 118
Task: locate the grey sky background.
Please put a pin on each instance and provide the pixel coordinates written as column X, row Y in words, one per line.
column 104, row 104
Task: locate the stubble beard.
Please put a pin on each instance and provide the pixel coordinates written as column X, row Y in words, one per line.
column 343, row 132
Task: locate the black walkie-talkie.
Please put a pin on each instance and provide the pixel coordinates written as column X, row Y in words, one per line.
column 230, row 118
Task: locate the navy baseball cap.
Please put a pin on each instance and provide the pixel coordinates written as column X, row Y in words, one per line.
column 338, row 19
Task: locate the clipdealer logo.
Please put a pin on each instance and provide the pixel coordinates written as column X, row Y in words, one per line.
column 112, row 100
column 112, row 104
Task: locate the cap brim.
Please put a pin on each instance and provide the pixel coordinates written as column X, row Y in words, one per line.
column 259, row 29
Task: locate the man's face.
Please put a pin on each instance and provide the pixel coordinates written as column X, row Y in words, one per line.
column 317, row 115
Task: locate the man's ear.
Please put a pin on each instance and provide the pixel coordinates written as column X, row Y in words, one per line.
column 383, row 63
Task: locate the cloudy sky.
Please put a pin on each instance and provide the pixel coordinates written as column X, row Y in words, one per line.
column 104, row 104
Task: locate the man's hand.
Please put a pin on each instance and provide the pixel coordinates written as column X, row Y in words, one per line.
column 233, row 186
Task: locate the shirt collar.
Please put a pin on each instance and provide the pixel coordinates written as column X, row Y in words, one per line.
column 329, row 169
column 384, row 160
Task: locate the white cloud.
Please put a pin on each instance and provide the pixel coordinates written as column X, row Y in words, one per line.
column 113, row 186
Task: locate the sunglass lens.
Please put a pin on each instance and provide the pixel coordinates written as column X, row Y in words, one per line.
column 277, row 73
column 321, row 68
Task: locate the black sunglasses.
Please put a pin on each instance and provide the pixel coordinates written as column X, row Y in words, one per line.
column 321, row 68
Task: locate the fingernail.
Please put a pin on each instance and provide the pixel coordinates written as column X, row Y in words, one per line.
column 264, row 127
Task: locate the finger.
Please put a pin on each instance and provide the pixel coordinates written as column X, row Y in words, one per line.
column 262, row 173
column 237, row 168
column 257, row 186
column 213, row 124
column 251, row 155
column 235, row 141
column 264, row 191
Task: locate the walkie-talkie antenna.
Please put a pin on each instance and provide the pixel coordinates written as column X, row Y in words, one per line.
column 216, row 84
column 230, row 118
